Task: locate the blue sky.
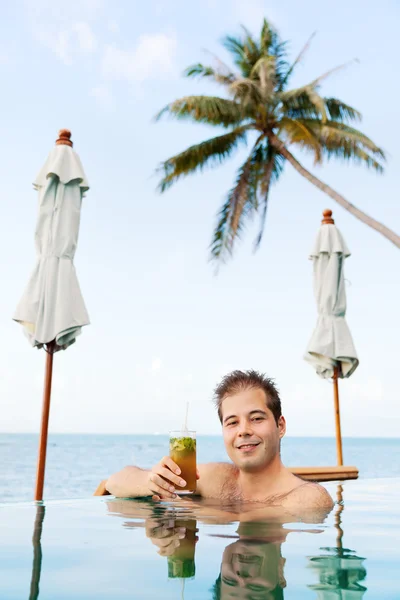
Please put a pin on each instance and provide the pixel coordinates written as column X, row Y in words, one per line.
column 164, row 327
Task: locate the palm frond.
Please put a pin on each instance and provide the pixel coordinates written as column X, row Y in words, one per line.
column 247, row 92
column 300, row 98
column 224, row 77
column 316, row 82
column 270, row 169
column 298, row 106
column 334, row 135
column 339, row 111
column 211, row 152
column 281, row 64
column 298, row 132
column 265, row 71
column 250, row 45
column 237, row 49
column 240, row 204
column 297, row 60
column 290, row 97
column 245, row 51
column 211, row 110
column 269, row 38
column 356, row 155
column 218, row 244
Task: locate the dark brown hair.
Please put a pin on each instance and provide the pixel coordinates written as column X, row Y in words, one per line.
column 238, row 381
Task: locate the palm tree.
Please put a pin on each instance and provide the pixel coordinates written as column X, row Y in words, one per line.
column 259, row 107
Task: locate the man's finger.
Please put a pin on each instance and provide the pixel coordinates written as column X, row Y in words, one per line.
column 169, row 463
column 159, row 485
column 170, row 477
column 169, row 550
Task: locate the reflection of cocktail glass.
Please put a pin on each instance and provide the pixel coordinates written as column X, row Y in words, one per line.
column 181, row 564
column 182, row 450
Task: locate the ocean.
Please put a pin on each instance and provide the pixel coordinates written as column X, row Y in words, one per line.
column 77, row 463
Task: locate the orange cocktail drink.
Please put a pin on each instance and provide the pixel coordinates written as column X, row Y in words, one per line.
column 182, row 450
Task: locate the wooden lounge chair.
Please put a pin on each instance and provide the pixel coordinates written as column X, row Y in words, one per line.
column 308, row 473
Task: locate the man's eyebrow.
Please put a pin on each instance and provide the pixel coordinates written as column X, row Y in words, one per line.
column 252, row 412
column 258, row 410
column 230, row 417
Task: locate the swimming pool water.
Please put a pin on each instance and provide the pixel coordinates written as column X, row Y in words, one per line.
column 106, row 548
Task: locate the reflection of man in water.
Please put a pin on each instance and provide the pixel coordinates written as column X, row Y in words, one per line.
column 252, row 567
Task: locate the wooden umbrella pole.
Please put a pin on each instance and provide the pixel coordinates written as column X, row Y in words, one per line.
column 45, row 423
column 337, row 418
column 37, row 552
column 338, row 519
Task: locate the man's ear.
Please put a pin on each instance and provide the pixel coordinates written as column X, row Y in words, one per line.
column 281, row 426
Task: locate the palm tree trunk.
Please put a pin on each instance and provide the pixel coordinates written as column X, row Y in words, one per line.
column 385, row 231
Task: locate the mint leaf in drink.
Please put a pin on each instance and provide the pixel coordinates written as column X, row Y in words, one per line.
column 181, row 567
column 183, row 444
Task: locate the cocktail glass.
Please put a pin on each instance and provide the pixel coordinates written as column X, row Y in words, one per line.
column 182, row 450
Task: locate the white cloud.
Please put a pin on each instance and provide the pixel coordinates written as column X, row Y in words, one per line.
column 154, row 55
column 59, row 12
column 69, row 43
column 113, row 26
column 85, row 37
column 156, row 364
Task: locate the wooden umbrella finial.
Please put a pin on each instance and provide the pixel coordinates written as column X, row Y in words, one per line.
column 64, row 138
column 327, row 220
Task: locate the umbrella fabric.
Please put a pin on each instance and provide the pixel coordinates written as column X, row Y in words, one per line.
column 52, row 306
column 331, row 344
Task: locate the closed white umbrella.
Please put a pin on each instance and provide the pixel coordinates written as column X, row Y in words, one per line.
column 52, row 310
column 331, row 349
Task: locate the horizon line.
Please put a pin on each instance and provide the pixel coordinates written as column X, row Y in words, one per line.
column 158, row 434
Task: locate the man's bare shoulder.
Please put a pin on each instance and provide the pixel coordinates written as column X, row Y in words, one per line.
column 213, row 477
column 311, row 495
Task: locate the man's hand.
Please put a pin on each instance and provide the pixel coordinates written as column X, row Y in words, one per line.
column 164, row 478
column 165, row 535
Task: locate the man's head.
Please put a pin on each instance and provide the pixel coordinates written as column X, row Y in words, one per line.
column 249, row 409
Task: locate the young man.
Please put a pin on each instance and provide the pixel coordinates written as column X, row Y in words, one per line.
column 249, row 409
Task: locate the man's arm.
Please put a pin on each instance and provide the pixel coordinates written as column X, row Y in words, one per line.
column 311, row 502
column 160, row 482
column 131, row 482
column 163, row 480
column 313, row 495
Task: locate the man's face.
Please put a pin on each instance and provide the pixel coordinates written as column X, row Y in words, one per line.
column 252, row 569
column 251, row 435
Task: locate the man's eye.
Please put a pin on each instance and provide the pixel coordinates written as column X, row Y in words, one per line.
column 257, row 419
column 229, row 581
column 231, row 423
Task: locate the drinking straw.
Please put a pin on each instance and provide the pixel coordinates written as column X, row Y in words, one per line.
column 185, row 427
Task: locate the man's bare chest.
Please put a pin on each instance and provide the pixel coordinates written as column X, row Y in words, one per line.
column 231, row 493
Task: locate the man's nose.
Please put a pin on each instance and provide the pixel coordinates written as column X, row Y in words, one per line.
column 245, row 429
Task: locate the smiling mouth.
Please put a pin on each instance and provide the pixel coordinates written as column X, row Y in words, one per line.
column 248, row 447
